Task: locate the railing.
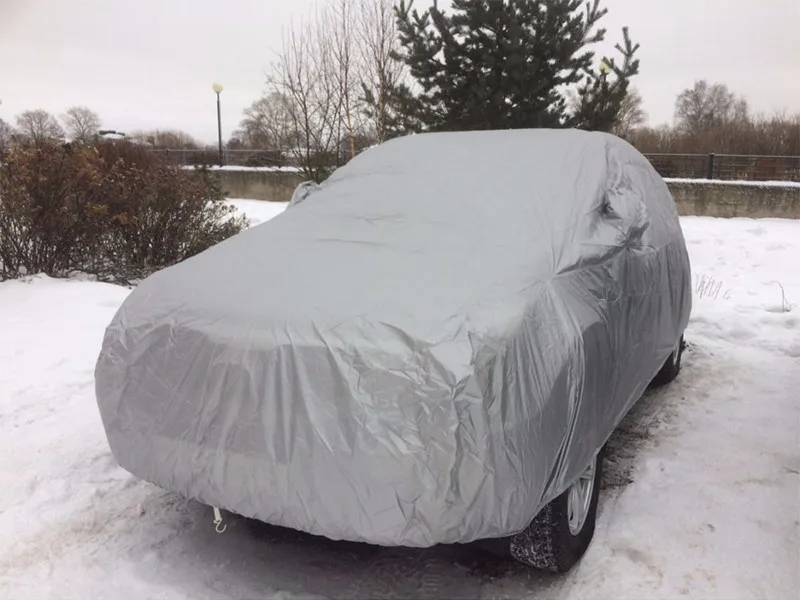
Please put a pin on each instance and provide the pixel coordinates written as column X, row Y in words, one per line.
column 727, row 166
column 246, row 158
column 691, row 166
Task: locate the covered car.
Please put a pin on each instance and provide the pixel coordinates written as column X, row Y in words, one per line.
column 432, row 346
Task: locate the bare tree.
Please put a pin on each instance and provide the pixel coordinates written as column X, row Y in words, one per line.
column 341, row 23
column 756, row 134
column 6, row 135
column 165, row 139
column 631, row 114
column 306, row 78
column 38, row 126
column 267, row 124
column 707, row 106
column 330, row 88
column 377, row 37
column 82, row 124
column 336, row 76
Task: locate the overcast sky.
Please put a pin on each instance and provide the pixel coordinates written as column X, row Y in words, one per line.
column 144, row 64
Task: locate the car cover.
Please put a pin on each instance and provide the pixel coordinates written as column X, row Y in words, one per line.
column 428, row 348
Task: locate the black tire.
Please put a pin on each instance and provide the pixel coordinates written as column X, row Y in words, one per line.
column 548, row 544
column 672, row 366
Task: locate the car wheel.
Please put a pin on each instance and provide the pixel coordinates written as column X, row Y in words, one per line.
column 672, row 366
column 559, row 535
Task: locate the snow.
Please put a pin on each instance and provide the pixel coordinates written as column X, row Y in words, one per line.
column 284, row 169
column 734, row 182
column 702, row 494
column 258, row 211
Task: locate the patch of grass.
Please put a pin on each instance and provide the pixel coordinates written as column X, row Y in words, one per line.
column 786, row 306
column 708, row 287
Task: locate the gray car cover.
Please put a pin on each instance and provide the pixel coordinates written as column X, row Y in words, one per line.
column 427, row 349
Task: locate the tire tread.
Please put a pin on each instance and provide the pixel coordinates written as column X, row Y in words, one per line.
column 547, row 543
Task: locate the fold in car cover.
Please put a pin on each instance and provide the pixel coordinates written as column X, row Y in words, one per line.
column 428, row 348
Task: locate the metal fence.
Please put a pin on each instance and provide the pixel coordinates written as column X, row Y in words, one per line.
column 245, row 158
column 727, row 166
column 690, row 166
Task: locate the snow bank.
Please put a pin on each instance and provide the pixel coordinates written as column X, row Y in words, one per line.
column 250, row 169
column 711, row 511
column 258, row 211
column 707, row 515
column 733, row 182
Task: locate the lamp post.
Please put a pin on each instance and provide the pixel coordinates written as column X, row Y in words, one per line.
column 218, row 90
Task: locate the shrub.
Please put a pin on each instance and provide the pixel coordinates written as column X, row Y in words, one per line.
column 132, row 154
column 112, row 210
column 45, row 197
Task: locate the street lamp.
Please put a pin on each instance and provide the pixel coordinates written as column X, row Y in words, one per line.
column 218, row 90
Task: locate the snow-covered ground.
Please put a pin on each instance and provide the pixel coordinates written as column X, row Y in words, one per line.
column 258, row 211
column 285, row 169
column 733, row 182
column 702, row 497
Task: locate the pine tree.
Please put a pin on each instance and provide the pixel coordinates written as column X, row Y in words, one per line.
column 398, row 111
column 603, row 96
column 508, row 64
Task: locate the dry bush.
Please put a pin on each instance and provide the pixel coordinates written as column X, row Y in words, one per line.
column 46, row 195
column 114, row 211
column 775, row 135
column 113, row 151
column 154, row 217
